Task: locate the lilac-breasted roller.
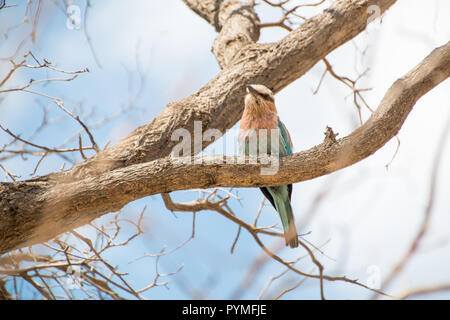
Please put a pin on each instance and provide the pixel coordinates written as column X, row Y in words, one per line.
column 260, row 113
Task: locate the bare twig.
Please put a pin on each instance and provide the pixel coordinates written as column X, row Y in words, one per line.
column 399, row 266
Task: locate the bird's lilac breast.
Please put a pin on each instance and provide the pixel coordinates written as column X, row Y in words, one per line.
column 251, row 122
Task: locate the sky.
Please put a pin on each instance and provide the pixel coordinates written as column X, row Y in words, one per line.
column 156, row 52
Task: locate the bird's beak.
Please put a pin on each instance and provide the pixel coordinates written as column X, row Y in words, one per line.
column 252, row 91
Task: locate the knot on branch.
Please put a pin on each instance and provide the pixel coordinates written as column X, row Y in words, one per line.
column 330, row 136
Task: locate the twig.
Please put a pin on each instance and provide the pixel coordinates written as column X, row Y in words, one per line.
column 427, row 213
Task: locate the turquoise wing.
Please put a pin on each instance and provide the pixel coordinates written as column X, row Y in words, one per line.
column 285, row 142
column 285, row 139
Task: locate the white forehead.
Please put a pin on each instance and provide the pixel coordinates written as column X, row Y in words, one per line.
column 262, row 89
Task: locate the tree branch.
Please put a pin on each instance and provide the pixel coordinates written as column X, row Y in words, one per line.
column 219, row 104
column 236, row 22
column 48, row 208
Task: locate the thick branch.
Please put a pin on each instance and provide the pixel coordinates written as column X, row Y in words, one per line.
column 48, row 209
column 219, row 103
column 236, row 22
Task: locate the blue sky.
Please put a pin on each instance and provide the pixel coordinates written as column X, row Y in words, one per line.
column 369, row 215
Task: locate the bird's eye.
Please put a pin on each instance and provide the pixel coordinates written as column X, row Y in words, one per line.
column 266, row 96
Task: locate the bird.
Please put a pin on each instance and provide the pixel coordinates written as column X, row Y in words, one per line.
column 260, row 113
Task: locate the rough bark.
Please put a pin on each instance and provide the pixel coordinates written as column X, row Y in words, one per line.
column 39, row 209
column 219, row 104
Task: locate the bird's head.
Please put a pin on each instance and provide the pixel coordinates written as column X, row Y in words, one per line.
column 259, row 99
